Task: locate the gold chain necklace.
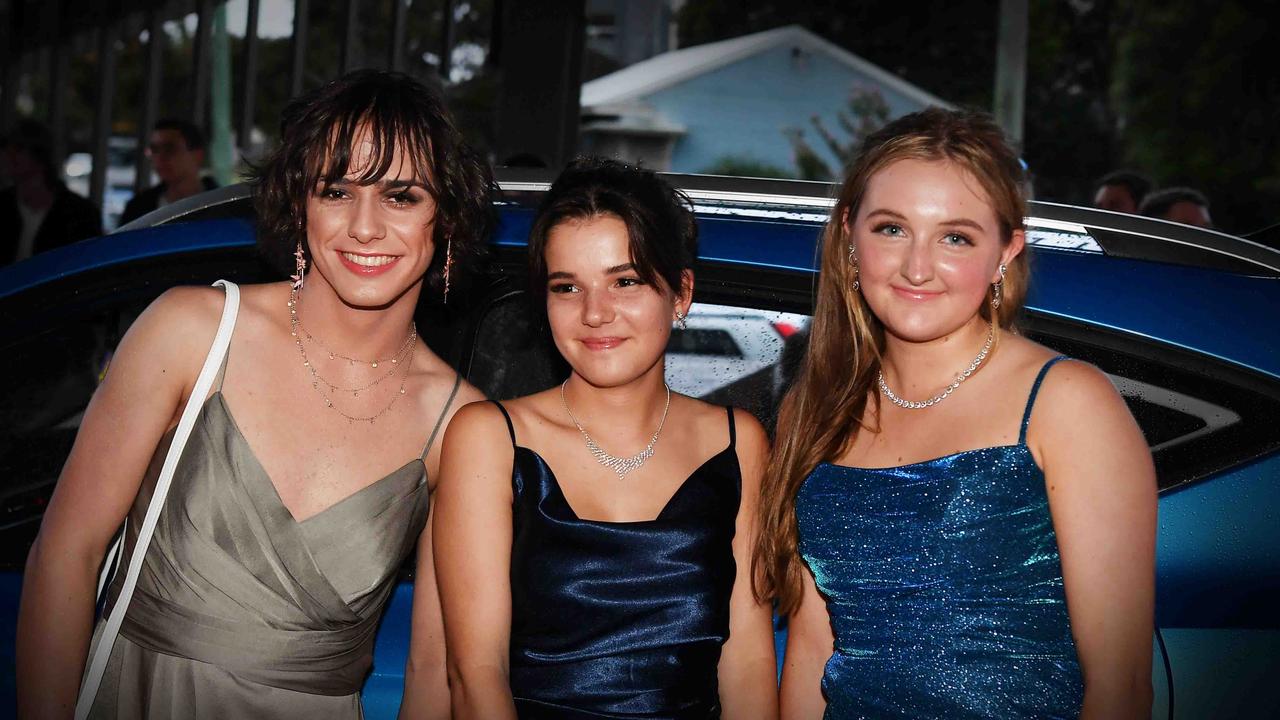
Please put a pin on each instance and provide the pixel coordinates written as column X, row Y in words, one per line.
column 620, row 465
column 408, row 348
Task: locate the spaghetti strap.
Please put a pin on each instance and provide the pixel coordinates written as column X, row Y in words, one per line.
column 457, row 382
column 733, row 431
column 1031, row 400
column 222, row 369
column 510, row 428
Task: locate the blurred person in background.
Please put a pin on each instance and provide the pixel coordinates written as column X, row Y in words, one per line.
column 177, row 150
column 38, row 212
column 1178, row 204
column 1121, row 191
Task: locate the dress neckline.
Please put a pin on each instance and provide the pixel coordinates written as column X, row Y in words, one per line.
column 271, row 485
column 666, row 506
column 936, row 460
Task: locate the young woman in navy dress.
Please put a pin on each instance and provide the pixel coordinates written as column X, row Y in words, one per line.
column 577, row 583
column 959, row 522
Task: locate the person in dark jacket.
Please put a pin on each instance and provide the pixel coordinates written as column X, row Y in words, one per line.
column 38, row 212
column 177, row 150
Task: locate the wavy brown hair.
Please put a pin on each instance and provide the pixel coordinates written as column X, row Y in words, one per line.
column 824, row 409
column 317, row 131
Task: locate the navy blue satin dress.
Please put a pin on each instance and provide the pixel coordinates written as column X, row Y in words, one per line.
column 621, row 620
column 944, row 586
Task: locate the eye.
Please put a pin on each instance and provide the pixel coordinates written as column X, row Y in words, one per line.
column 956, row 239
column 629, row 282
column 890, row 229
column 331, row 193
column 562, row 288
column 403, row 197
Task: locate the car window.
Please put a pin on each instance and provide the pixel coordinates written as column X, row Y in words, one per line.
column 702, row 341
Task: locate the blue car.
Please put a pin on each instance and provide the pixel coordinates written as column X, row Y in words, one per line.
column 1185, row 321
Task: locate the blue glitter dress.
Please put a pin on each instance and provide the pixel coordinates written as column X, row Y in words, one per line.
column 621, row 620
column 944, row 586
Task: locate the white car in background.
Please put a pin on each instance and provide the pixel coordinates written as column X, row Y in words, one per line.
column 722, row 344
column 122, row 154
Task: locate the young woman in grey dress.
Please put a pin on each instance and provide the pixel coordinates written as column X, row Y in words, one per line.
column 305, row 481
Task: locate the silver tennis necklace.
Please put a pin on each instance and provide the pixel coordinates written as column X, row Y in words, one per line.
column 910, row 405
column 620, row 465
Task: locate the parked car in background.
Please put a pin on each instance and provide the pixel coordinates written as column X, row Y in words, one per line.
column 1182, row 319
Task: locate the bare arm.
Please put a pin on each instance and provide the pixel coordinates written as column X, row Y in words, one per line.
column 748, row 669
column 426, row 687
column 139, row 399
column 1102, row 495
column 472, row 537
column 809, row 645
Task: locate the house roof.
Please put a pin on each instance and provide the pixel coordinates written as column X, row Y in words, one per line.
column 672, row 68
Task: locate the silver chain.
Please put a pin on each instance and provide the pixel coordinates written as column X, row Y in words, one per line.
column 620, row 465
column 911, row 405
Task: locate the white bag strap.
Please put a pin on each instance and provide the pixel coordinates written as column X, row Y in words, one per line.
column 204, row 381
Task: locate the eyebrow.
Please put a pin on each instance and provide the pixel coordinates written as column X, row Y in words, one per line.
column 955, row 222
column 381, row 184
column 562, row 275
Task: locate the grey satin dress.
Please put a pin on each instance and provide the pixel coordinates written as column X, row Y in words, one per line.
column 241, row 611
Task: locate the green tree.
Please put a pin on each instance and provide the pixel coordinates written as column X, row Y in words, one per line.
column 865, row 112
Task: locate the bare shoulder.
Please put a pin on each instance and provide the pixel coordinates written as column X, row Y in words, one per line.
column 476, row 422
column 1073, row 389
column 176, row 328
column 751, row 434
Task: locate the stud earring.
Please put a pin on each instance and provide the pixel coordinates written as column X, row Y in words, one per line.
column 997, row 289
column 300, row 266
column 448, row 263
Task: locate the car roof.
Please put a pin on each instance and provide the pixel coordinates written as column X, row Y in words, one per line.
column 1208, row 292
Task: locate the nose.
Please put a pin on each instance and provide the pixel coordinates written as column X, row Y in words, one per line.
column 597, row 308
column 365, row 224
column 917, row 264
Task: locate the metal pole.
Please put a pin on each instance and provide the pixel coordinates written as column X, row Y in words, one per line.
column 150, row 98
column 200, row 62
column 350, row 37
column 1011, row 68
column 301, row 10
column 59, row 71
column 399, row 19
column 446, row 41
column 221, row 150
column 10, row 61
column 107, row 33
column 249, row 80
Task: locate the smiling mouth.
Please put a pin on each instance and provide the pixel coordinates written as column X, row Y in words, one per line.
column 370, row 260
column 917, row 294
column 604, row 343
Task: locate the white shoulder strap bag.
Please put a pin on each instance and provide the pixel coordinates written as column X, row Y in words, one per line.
column 111, row 629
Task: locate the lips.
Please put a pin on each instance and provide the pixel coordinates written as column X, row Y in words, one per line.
column 368, row 264
column 601, row 343
column 915, row 294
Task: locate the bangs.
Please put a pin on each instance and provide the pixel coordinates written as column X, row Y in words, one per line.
column 382, row 123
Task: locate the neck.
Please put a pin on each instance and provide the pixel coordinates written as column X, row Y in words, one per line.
column 183, row 188
column 633, row 409
column 366, row 333
column 918, row 369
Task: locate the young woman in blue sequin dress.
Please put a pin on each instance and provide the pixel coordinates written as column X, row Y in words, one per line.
column 578, row 585
column 959, row 522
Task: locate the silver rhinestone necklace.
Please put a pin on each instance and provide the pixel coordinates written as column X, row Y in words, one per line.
column 620, row 465
column 910, row 405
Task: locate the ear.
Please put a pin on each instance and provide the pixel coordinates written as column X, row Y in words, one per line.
column 1017, row 243
column 845, row 223
column 684, row 298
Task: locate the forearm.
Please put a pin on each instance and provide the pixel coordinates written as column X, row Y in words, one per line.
column 750, row 692
column 55, row 621
column 426, row 693
column 481, row 694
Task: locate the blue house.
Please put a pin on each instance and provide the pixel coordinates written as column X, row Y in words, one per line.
column 688, row 110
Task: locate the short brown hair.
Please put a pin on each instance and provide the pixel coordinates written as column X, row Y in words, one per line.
column 316, row 136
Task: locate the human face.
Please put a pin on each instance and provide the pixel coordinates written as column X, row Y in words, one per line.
column 607, row 322
column 371, row 243
column 1115, row 198
column 170, row 157
column 928, row 247
column 1189, row 213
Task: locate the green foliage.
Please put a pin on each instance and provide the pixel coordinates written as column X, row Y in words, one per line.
column 865, row 112
column 743, row 166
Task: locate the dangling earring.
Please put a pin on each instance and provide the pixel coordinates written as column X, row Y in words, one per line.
column 448, row 263
column 853, row 260
column 681, row 322
column 300, row 267
column 997, row 289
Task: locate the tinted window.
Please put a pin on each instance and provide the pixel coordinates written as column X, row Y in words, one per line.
column 699, row 341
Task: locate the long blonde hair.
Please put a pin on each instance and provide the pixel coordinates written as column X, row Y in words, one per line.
column 824, row 408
